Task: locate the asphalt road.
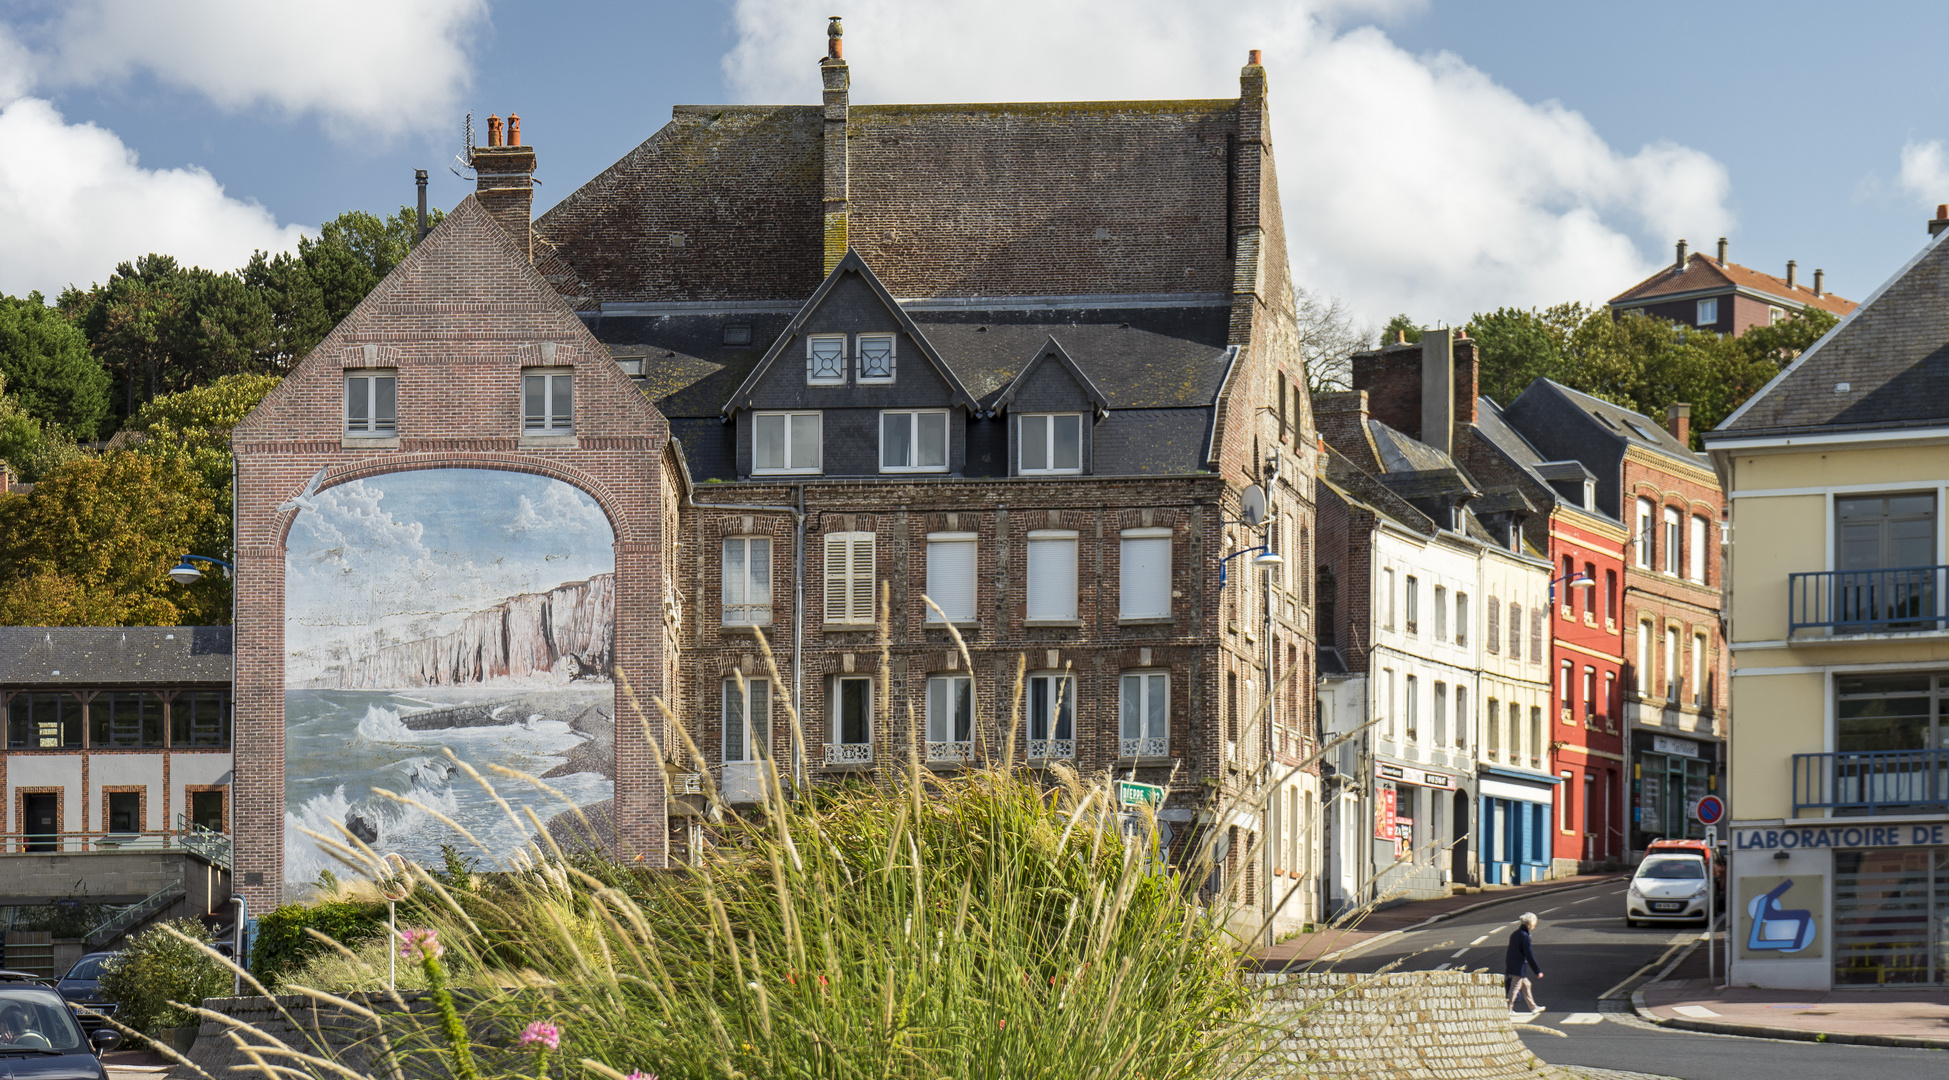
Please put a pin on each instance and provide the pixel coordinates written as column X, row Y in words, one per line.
column 1586, row 953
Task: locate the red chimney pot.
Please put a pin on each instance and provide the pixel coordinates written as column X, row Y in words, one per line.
column 514, row 130
column 1942, row 211
column 493, row 131
column 1254, row 61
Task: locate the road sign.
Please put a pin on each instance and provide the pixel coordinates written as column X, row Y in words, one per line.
column 1712, row 837
column 1709, row 810
column 1132, row 793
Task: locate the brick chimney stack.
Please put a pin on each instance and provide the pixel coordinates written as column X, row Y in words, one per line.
column 1722, row 251
column 504, row 182
column 1820, row 281
column 1941, row 221
column 1678, row 418
column 838, row 81
column 1680, row 265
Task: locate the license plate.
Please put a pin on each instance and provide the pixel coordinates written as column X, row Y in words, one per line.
column 1667, row 905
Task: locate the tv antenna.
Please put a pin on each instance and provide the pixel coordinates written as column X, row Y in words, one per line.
column 465, row 159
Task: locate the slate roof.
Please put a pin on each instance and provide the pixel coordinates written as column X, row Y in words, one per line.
column 1885, row 366
column 93, row 655
column 1704, row 274
column 1546, row 402
column 724, row 203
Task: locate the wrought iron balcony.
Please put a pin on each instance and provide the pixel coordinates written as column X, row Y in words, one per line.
column 1901, row 600
column 1052, row 749
column 1156, row 746
column 950, row 751
column 1871, row 781
column 849, row 753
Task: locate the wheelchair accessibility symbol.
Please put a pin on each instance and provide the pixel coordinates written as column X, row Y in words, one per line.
column 1775, row 928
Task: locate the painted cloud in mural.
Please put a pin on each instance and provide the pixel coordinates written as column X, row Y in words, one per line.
column 455, row 609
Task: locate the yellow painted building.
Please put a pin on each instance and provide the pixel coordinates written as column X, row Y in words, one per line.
column 1837, row 582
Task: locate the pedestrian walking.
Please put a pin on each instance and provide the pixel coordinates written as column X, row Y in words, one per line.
column 1518, row 960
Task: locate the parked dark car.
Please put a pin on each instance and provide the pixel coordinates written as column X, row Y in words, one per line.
column 39, row 1039
column 82, row 987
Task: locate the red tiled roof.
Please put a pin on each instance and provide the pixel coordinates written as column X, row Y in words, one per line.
column 1703, row 273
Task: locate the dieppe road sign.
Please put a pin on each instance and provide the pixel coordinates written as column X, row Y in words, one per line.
column 1131, row 793
column 1710, row 810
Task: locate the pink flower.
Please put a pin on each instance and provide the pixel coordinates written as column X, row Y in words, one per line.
column 640, row 1075
column 416, row 943
column 542, row 1032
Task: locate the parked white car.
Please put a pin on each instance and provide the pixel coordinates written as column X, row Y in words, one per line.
column 1666, row 888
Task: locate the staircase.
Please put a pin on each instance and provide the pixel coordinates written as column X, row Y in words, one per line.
column 206, row 844
column 134, row 915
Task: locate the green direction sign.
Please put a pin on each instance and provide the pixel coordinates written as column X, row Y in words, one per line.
column 1131, row 793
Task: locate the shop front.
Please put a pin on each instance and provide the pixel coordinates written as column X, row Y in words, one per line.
column 1421, row 831
column 1838, row 906
column 1669, row 775
column 1516, row 817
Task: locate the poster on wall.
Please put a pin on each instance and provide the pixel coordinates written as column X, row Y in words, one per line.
column 461, row 609
column 1781, row 917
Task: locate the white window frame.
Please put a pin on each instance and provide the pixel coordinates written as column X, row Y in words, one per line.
column 1695, row 561
column 1441, row 613
column 1564, row 814
column 913, row 440
column 1535, row 737
column 1129, row 596
column 1441, row 714
column 859, row 351
column 1590, row 692
column 1387, row 596
column 551, row 420
column 1150, row 734
column 1048, row 443
column 1698, row 668
column 1462, row 717
column 1461, row 618
column 374, row 427
column 838, row 750
column 1388, row 677
column 1042, row 587
column 1492, row 729
column 941, row 548
column 1411, row 604
column 1775, row 314
column 736, row 601
column 747, row 745
column 812, row 342
column 1647, row 676
column 1671, row 664
column 1708, row 311
column 851, row 587
column 942, row 744
column 1055, row 692
column 1647, row 523
column 1673, row 538
column 792, row 420
column 1411, row 712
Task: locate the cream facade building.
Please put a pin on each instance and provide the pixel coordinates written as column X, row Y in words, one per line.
column 1837, row 474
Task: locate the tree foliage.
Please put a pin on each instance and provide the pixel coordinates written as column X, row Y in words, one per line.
column 195, row 426
column 1328, row 339
column 53, row 376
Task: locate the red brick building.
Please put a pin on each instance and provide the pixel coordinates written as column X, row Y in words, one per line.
column 1715, row 294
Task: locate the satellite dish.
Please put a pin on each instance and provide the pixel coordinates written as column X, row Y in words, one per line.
column 1251, row 505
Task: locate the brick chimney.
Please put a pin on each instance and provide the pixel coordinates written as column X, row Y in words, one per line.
column 505, row 181
column 1438, row 389
column 1941, row 221
column 1722, row 251
column 838, row 81
column 1678, row 418
column 1791, row 268
column 1680, row 264
column 1820, row 281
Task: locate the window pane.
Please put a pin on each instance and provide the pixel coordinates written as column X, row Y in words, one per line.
column 733, row 577
column 357, row 413
column 933, row 440
column 1132, row 723
column 384, row 411
column 1034, row 438
column 937, row 702
column 896, row 432
column 805, row 441
column 853, row 710
column 758, row 584
column 1039, row 708
column 875, row 356
column 561, row 404
column 760, row 715
column 1069, row 443
column 768, row 442
column 963, row 709
column 826, row 359
column 1065, row 693
column 1155, row 706
column 534, row 406
column 734, row 742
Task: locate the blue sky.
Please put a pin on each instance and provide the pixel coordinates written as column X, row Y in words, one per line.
column 1435, row 157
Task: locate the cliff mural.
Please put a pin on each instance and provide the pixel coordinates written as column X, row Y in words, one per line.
column 449, row 608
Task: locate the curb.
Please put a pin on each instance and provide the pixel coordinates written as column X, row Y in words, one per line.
column 1390, row 935
column 1762, row 1031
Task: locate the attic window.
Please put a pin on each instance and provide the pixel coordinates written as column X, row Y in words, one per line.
column 825, row 359
column 876, row 358
column 737, row 334
column 1642, row 433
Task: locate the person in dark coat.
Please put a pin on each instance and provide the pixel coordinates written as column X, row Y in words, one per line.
column 1518, row 960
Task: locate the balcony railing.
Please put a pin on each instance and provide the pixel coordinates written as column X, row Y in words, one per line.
column 1871, row 781
column 1902, row 600
column 849, row 753
column 1155, row 746
column 950, row 751
column 1052, row 749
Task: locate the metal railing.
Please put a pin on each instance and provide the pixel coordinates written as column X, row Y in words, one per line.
column 132, row 916
column 849, row 753
column 209, row 845
column 950, row 751
column 69, row 843
column 1052, row 749
column 1154, row 746
column 1899, row 600
column 1871, row 781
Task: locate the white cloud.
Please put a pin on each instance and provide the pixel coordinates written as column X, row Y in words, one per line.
column 76, row 202
column 1410, row 183
column 1925, row 173
column 368, row 68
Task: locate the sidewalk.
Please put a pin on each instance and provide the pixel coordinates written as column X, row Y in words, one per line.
column 1309, row 949
column 1883, row 1016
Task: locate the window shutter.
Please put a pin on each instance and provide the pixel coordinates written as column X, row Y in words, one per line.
column 838, row 552
column 951, row 579
column 1146, row 578
column 862, row 579
column 1052, row 577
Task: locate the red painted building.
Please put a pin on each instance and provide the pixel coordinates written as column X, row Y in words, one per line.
column 1586, row 664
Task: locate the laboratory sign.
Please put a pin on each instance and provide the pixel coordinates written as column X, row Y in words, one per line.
column 1850, row 836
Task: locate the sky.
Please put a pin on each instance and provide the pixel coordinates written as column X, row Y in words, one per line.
column 363, row 550
column 1436, row 157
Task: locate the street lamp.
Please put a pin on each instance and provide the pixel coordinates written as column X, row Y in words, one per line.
column 1265, row 561
column 185, row 573
column 1578, row 581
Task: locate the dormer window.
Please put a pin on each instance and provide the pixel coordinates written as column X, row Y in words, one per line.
column 1050, row 443
column 876, row 358
column 825, row 359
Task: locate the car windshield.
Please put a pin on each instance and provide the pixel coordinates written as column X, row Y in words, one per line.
column 1673, row 868
column 35, row 1018
column 89, row 968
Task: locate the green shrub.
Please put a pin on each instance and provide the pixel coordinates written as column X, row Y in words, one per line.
column 363, row 972
column 283, row 947
column 158, row 968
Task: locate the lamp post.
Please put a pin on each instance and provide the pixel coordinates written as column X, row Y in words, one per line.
column 1577, row 581
column 1266, row 561
column 186, row 573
